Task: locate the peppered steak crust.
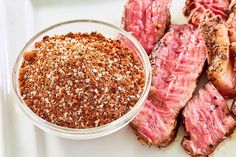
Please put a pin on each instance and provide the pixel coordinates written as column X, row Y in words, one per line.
column 220, row 70
column 231, row 25
column 177, row 62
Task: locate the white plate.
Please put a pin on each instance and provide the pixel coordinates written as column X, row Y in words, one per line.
column 20, row 20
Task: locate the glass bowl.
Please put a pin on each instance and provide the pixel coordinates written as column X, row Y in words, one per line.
column 108, row 31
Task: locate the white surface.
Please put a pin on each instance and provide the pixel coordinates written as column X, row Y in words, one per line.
column 20, row 20
column 3, row 68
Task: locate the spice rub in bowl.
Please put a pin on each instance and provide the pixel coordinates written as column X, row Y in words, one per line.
column 80, row 80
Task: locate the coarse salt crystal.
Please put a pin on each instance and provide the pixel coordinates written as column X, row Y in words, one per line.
column 96, row 122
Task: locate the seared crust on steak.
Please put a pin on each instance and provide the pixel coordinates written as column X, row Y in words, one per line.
column 220, row 70
column 231, row 25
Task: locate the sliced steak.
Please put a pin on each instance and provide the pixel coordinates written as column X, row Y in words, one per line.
column 199, row 14
column 177, row 62
column 214, row 5
column 220, row 70
column 207, row 121
column 200, row 10
column 147, row 20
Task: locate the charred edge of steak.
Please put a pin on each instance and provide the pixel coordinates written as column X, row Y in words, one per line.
column 232, row 6
column 216, row 34
column 145, row 141
column 209, row 32
column 189, row 6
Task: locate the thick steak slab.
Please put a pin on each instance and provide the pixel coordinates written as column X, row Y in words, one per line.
column 220, row 71
column 177, row 62
column 147, row 20
column 207, row 121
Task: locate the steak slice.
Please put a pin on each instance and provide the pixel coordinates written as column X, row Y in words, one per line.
column 147, row 20
column 207, row 121
column 199, row 14
column 200, row 10
column 214, row 5
column 177, row 62
column 220, row 70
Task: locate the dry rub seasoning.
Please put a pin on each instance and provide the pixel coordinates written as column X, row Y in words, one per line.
column 80, row 80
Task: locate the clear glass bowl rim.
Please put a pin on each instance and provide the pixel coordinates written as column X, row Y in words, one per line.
column 90, row 132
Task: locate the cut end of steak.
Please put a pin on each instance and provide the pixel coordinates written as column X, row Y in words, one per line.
column 177, row 61
column 199, row 14
column 220, row 70
column 207, row 121
column 155, row 125
column 146, row 20
column 221, row 5
column 200, row 10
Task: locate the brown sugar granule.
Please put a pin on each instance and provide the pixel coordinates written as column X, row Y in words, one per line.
column 80, row 80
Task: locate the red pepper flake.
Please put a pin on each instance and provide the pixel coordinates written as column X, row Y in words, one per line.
column 80, row 80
